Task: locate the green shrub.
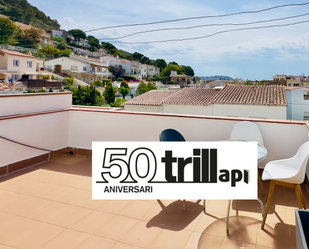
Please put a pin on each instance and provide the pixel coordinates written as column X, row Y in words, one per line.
column 68, row 81
column 118, row 102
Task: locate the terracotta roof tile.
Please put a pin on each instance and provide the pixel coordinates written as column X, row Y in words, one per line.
column 192, row 96
column 252, row 95
column 151, row 98
column 3, row 51
column 230, row 94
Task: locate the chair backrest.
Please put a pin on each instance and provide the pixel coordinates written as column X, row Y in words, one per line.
column 171, row 135
column 248, row 131
column 299, row 162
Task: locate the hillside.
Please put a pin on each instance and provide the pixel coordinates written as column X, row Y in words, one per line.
column 22, row 11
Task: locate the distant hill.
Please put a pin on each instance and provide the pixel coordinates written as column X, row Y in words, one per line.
column 22, row 11
column 216, row 77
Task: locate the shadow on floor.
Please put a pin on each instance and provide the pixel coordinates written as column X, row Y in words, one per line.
column 172, row 217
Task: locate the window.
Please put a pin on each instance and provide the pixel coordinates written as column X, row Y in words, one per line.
column 306, row 115
column 296, row 84
column 84, row 68
column 16, row 63
column 29, row 63
column 74, row 68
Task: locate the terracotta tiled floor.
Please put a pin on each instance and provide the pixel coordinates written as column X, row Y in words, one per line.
column 50, row 206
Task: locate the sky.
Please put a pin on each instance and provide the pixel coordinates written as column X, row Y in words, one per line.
column 253, row 54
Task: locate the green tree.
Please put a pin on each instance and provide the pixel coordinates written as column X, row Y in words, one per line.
column 77, row 34
column 58, row 39
column 261, row 83
column 68, row 81
column 160, row 63
column 62, row 45
column 121, row 55
column 137, row 56
column 31, row 37
column 151, row 86
column 109, row 93
column 248, row 83
column 87, row 96
column 173, row 63
column 124, row 91
column 118, row 102
column 167, row 70
column 8, row 30
column 145, row 60
column 50, row 50
column 141, row 88
column 65, row 53
column 124, row 84
column 93, row 42
column 108, row 46
column 188, row 70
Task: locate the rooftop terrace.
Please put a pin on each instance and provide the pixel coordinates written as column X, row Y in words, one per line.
column 49, row 205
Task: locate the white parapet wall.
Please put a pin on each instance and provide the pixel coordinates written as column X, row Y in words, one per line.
column 25, row 103
column 282, row 138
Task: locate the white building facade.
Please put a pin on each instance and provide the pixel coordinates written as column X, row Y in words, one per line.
column 79, row 67
column 298, row 104
column 14, row 64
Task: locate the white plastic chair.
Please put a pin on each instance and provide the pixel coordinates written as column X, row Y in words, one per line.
column 289, row 173
column 247, row 131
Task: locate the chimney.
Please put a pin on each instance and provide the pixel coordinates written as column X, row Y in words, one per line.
column 29, row 53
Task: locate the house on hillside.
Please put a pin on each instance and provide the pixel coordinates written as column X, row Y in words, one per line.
column 132, row 68
column 110, row 60
column 13, row 65
column 82, row 68
column 264, row 102
column 148, row 71
column 179, row 79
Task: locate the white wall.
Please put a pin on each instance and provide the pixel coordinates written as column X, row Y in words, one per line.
column 254, row 111
column 297, row 106
column 66, row 64
column 143, row 108
column 246, row 111
column 33, row 102
column 188, row 109
column 49, row 131
column 3, row 62
column 281, row 139
column 22, row 68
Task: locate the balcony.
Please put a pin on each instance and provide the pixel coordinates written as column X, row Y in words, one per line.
column 49, row 205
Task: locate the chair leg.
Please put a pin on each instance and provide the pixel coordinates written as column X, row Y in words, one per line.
column 261, row 183
column 300, row 197
column 270, row 195
column 204, row 204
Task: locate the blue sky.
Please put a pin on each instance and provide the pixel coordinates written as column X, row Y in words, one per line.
column 250, row 54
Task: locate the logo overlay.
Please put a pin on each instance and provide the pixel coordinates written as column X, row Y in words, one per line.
column 174, row 170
